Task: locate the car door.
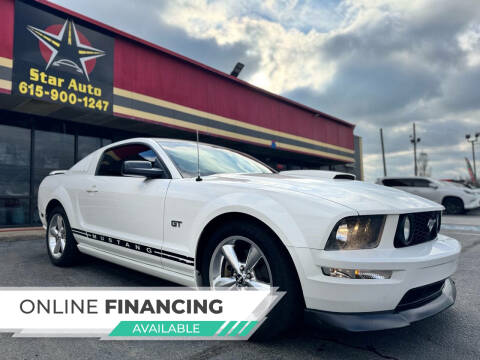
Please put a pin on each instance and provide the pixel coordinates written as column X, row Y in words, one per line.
column 124, row 214
column 426, row 189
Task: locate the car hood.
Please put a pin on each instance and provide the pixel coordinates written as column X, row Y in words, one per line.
column 363, row 197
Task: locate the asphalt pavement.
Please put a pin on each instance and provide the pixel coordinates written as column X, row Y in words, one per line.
column 455, row 333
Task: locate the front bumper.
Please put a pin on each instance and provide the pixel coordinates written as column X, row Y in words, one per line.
column 411, row 267
column 372, row 321
column 472, row 204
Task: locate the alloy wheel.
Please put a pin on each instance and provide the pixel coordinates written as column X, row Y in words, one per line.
column 57, row 236
column 237, row 263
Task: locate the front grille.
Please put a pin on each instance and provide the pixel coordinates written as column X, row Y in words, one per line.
column 421, row 233
column 421, row 295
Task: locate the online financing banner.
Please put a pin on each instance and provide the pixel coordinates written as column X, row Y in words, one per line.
column 134, row 313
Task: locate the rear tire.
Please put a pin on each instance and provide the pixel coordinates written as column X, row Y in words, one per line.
column 289, row 310
column 61, row 245
column 453, row 206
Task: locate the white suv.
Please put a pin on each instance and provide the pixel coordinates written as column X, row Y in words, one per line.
column 455, row 199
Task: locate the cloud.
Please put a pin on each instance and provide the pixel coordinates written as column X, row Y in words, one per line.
column 375, row 63
column 288, row 57
column 147, row 24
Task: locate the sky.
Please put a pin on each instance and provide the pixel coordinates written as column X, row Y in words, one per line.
column 375, row 63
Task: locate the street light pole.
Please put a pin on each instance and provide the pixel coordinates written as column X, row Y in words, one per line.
column 383, row 153
column 473, row 141
column 414, row 140
column 474, row 163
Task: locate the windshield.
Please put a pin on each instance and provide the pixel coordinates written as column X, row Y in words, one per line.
column 213, row 160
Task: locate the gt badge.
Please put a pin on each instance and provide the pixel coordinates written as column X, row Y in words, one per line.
column 176, row 223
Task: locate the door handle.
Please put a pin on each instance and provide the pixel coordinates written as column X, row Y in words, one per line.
column 93, row 189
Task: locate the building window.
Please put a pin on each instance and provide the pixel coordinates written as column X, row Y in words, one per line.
column 14, row 175
column 53, row 151
column 14, row 211
column 28, row 154
column 86, row 145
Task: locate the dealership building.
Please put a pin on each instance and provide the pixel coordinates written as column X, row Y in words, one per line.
column 70, row 84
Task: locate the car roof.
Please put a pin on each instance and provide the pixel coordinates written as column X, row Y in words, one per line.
column 167, row 140
column 160, row 141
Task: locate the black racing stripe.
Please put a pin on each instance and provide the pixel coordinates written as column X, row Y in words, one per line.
column 5, row 73
column 137, row 247
column 77, row 231
column 178, row 260
column 194, row 119
column 178, row 255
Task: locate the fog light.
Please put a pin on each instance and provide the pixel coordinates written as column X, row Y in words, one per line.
column 439, row 221
column 407, row 227
column 356, row 274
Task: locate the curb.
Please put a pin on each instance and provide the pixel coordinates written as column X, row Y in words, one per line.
column 17, row 235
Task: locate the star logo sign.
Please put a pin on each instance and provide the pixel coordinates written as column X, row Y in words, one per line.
column 67, row 49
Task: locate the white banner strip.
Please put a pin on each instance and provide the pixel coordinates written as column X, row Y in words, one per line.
column 134, row 312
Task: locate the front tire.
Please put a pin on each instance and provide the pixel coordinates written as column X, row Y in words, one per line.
column 453, row 206
column 61, row 245
column 244, row 254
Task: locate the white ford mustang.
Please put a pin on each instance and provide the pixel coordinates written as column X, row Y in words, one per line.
column 354, row 255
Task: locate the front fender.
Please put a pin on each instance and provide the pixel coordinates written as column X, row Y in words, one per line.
column 263, row 208
column 299, row 220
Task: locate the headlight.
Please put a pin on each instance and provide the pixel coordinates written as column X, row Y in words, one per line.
column 469, row 192
column 356, row 232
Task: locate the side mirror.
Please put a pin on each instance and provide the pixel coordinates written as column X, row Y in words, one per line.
column 141, row 168
column 433, row 186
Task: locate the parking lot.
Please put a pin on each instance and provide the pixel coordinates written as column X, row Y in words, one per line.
column 452, row 334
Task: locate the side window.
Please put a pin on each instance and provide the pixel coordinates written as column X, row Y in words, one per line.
column 112, row 160
column 408, row 182
column 396, row 182
column 421, row 183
